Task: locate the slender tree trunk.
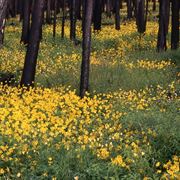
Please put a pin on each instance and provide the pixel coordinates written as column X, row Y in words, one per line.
column 26, row 21
column 163, row 25
column 78, row 9
column 154, row 5
column 97, row 14
column 175, row 24
column 16, row 6
column 129, row 9
column 55, row 18
column 73, row 20
column 86, row 46
column 108, row 8
column 48, row 12
column 11, row 5
column 63, row 19
column 3, row 11
column 140, row 16
column 117, row 14
column 28, row 75
column 21, row 10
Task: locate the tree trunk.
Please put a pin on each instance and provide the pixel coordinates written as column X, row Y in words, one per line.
column 63, row 19
column 140, row 16
column 26, row 21
column 48, row 12
column 3, row 11
column 97, row 14
column 129, row 9
column 163, row 25
column 28, row 75
column 20, row 8
column 117, row 14
column 86, row 46
column 175, row 24
column 73, row 20
column 154, row 5
column 78, row 9
column 11, row 8
column 55, row 18
column 108, row 7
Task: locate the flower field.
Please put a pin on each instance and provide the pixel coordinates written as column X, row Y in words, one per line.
column 127, row 127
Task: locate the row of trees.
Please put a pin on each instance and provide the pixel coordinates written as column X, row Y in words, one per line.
column 89, row 11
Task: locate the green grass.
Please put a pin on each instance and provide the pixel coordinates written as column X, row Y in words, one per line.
column 107, row 75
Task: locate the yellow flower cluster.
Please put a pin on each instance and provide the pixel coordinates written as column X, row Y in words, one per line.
column 143, row 99
column 119, row 161
column 172, row 169
column 146, row 64
column 38, row 116
column 54, row 58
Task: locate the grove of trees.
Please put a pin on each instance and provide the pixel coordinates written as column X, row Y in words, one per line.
column 35, row 13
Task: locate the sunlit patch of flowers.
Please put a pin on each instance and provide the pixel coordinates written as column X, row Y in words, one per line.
column 58, row 117
column 119, row 161
column 144, row 99
column 146, row 64
column 51, row 62
column 172, row 168
column 56, row 122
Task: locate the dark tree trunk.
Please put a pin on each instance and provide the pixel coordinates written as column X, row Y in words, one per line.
column 73, row 20
column 154, row 5
column 140, row 16
column 129, row 9
column 11, row 8
column 16, row 6
column 108, row 7
column 20, row 10
column 26, row 21
column 97, row 14
column 86, row 46
column 63, row 19
column 29, row 70
column 121, row 4
column 163, row 25
column 175, row 24
column 117, row 14
column 78, row 9
column 55, row 18
column 3, row 11
column 48, row 12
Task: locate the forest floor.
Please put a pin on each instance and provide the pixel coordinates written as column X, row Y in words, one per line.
column 127, row 127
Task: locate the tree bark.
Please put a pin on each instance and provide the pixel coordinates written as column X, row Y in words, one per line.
column 140, row 16
column 48, row 12
column 97, row 14
column 108, row 7
column 175, row 24
column 63, row 19
column 28, row 75
column 73, row 20
column 55, row 18
column 78, row 9
column 117, row 14
column 163, row 25
column 3, row 11
column 26, row 21
column 129, row 9
column 154, row 5
column 86, row 46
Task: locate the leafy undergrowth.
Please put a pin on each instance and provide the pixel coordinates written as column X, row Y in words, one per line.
column 52, row 133
column 119, row 59
column 126, row 128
